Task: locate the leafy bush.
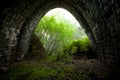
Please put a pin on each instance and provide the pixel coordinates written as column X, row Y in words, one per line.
column 85, row 44
column 78, row 47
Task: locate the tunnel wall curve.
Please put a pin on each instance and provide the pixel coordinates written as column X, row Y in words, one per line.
column 33, row 20
column 99, row 18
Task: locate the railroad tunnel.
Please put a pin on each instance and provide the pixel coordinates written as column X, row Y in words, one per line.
column 99, row 18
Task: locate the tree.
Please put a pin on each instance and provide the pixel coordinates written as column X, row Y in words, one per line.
column 56, row 32
column 53, row 34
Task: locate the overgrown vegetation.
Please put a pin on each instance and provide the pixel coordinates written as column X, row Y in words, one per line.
column 54, row 34
column 60, row 37
column 56, row 37
column 80, row 48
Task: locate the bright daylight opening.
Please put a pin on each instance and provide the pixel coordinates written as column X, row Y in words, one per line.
column 63, row 15
column 59, row 32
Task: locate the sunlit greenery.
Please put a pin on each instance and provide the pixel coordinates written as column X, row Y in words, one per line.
column 54, row 35
column 78, row 46
column 57, row 32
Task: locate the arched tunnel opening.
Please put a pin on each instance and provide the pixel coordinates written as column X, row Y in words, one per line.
column 99, row 18
column 59, row 33
column 57, row 45
column 59, row 41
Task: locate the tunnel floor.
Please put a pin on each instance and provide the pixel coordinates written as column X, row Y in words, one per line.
column 70, row 69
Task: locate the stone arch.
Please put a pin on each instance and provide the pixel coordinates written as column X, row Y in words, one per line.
column 29, row 26
column 99, row 18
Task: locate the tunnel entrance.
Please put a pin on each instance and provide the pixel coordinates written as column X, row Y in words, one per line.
column 71, row 62
column 60, row 34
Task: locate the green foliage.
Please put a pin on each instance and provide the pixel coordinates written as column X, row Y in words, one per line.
column 78, row 46
column 60, row 37
column 54, row 34
column 85, row 44
column 74, row 50
column 56, row 31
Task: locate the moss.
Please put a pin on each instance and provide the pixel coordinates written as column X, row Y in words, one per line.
column 57, row 70
column 28, row 71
